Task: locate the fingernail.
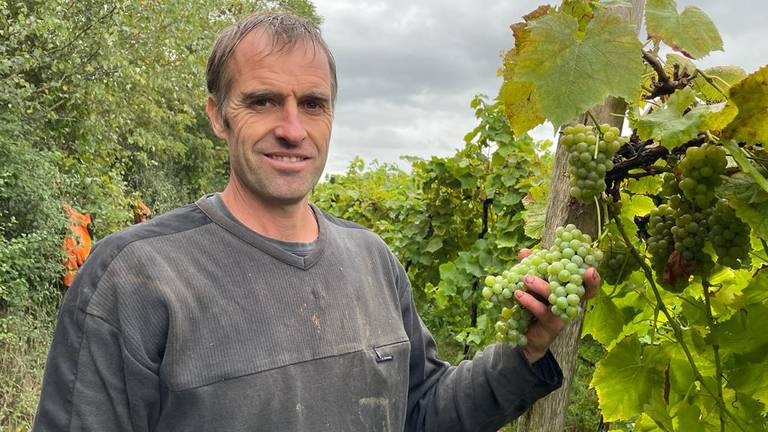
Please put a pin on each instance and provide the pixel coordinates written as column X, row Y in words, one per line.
column 518, row 293
column 528, row 279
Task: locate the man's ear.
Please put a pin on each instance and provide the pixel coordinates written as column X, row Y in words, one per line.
column 213, row 115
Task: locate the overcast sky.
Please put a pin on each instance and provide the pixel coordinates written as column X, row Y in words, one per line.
column 407, row 70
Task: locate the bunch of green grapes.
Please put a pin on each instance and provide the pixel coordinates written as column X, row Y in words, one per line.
column 562, row 265
column 730, row 237
column 660, row 241
column 589, row 157
column 617, row 264
column 701, row 170
column 669, row 185
column 690, row 230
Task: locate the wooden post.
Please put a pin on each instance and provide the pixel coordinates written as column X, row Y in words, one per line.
column 548, row 414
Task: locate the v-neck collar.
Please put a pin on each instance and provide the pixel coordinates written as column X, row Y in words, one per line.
column 261, row 242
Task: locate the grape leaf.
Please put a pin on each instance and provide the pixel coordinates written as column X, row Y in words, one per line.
column 748, row 200
column 749, row 378
column 644, row 185
column 638, row 205
column 628, row 362
column 573, row 72
column 743, row 333
column 519, row 98
column 723, row 76
column 756, row 291
column 657, row 410
column 521, row 103
column 720, row 115
column 751, row 97
column 604, row 321
column 671, row 126
column 684, row 63
column 745, row 164
column 535, row 212
column 691, row 32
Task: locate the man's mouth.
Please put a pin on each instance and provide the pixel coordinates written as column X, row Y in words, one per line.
column 287, row 158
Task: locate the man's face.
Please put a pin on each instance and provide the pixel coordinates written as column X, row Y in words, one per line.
column 280, row 114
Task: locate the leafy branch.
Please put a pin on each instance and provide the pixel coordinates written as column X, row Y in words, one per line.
column 676, row 328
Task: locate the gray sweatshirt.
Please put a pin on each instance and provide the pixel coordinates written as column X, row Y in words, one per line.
column 192, row 322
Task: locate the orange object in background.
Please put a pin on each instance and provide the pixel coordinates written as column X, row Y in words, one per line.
column 77, row 243
column 141, row 213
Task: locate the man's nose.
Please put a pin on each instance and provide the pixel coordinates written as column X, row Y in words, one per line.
column 291, row 130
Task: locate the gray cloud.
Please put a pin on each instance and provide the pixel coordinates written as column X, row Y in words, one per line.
column 408, row 70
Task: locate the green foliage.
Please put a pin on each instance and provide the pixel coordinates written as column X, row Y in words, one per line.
column 628, row 362
column 100, row 102
column 673, row 124
column 690, row 32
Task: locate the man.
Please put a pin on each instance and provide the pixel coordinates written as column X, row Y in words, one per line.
column 252, row 309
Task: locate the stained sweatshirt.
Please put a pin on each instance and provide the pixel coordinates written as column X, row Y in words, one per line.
column 193, row 322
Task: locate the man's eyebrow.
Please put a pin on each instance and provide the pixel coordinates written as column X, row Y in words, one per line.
column 316, row 95
column 251, row 96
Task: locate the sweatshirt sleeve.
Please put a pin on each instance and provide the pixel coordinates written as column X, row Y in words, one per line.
column 478, row 395
column 93, row 380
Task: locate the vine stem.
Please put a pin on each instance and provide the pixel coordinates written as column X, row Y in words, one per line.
column 599, row 222
column 715, row 349
column 675, row 325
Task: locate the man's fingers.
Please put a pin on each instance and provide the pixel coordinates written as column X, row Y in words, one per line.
column 537, row 285
column 591, row 282
column 524, row 252
column 541, row 311
column 531, row 303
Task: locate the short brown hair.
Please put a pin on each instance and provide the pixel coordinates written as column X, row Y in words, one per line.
column 286, row 31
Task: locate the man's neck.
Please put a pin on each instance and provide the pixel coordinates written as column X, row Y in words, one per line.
column 292, row 223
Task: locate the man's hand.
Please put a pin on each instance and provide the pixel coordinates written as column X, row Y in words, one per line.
column 545, row 328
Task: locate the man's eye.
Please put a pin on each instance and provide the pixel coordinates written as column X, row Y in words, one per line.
column 314, row 105
column 260, row 103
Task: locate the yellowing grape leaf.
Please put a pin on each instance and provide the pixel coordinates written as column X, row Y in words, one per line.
column 535, row 213
column 671, row 126
column 628, row 363
column 521, row 105
column 572, row 71
column 691, row 32
column 723, row 76
column 720, row 115
column 751, row 97
column 519, row 98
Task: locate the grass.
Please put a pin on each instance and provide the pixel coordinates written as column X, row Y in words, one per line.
column 24, row 342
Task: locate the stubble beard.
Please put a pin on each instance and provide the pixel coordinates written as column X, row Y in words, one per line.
column 282, row 191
